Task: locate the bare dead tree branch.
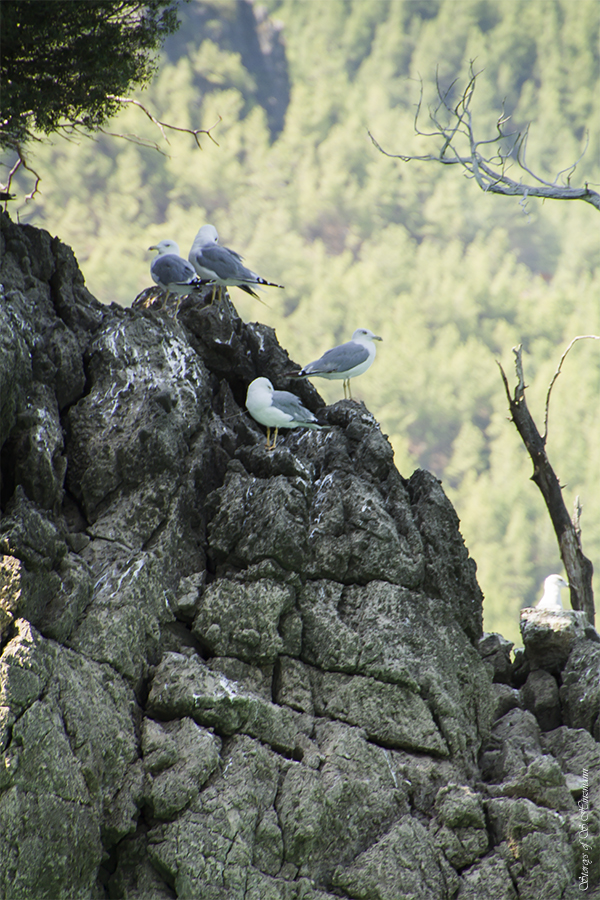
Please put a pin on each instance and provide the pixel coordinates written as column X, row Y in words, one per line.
column 579, row 569
column 195, row 132
column 72, row 132
column 76, row 129
column 577, row 517
column 581, row 337
column 22, row 162
column 453, row 126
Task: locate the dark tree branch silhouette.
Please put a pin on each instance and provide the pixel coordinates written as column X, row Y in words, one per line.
column 580, row 337
column 21, row 161
column 195, row 132
column 453, row 127
column 578, row 567
column 77, row 129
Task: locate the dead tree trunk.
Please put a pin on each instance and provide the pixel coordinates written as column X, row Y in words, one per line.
column 579, row 569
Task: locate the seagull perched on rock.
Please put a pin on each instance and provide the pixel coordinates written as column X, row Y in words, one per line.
column 551, row 597
column 172, row 272
column 277, row 409
column 345, row 361
column 222, row 266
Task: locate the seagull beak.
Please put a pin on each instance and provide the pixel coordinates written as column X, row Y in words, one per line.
column 377, row 338
column 153, row 247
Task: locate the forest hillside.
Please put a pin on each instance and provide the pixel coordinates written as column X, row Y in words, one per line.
column 451, row 278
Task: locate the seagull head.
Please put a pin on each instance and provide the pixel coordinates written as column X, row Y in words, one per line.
column 364, row 334
column 164, row 247
column 260, row 389
column 207, row 235
column 555, row 581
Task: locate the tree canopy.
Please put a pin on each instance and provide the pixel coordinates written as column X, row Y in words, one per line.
column 65, row 63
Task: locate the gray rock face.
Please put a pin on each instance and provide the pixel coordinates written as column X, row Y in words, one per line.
column 228, row 673
column 495, row 649
column 540, row 696
column 549, row 636
column 580, row 691
column 529, row 841
column 542, row 748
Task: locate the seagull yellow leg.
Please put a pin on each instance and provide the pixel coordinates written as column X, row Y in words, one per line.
column 269, row 445
column 349, row 391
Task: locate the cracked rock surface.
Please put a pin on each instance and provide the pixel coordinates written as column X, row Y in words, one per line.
column 230, row 674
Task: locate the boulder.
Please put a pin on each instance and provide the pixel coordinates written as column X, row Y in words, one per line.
column 459, row 828
column 528, row 839
column 580, row 691
column 550, row 635
column 495, row 649
column 540, row 696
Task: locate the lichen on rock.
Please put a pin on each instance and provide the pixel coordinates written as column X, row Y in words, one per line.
column 232, row 673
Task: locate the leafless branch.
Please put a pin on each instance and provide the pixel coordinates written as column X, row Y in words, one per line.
column 453, row 126
column 579, row 569
column 72, row 132
column 581, row 337
column 76, row 129
column 195, row 132
column 22, row 162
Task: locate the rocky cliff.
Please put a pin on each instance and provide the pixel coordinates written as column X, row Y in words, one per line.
column 228, row 673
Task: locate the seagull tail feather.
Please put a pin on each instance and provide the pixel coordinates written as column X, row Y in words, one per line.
column 266, row 283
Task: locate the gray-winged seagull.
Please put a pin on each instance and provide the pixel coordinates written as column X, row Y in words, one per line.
column 221, row 265
column 345, row 361
column 172, row 272
column 277, row 409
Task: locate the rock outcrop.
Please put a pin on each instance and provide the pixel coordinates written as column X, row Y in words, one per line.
column 228, row 673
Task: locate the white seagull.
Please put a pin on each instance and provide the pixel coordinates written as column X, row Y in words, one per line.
column 345, row 361
column 277, row 409
column 221, row 265
column 551, row 597
column 172, row 272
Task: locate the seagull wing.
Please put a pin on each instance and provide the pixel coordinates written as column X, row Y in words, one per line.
column 172, row 269
column 291, row 405
column 233, row 253
column 222, row 264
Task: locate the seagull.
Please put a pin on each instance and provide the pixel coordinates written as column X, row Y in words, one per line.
column 277, row 409
column 345, row 361
column 222, row 266
column 551, row 597
column 172, row 272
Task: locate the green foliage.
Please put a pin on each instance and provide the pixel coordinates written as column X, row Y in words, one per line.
column 451, row 278
column 62, row 61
